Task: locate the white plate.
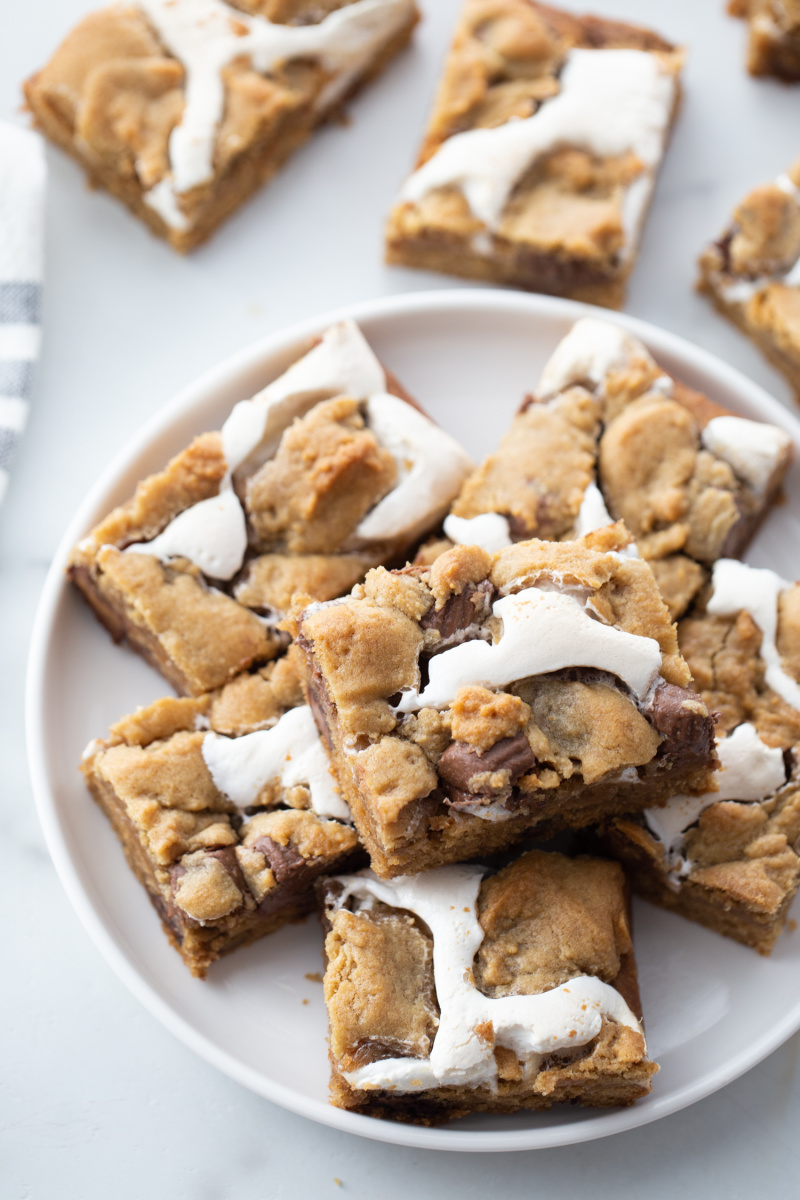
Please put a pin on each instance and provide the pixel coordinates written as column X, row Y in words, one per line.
column 713, row 1008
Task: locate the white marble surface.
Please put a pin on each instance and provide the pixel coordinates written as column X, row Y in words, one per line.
column 96, row 1099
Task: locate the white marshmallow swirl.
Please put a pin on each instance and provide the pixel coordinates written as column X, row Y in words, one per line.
column 543, row 631
column 530, row 1025
column 489, row 530
column 588, row 353
column 289, row 753
column 752, row 448
column 211, row 534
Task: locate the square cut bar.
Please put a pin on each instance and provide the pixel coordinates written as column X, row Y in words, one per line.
column 541, row 153
column 609, row 435
column 773, row 36
column 478, row 700
column 752, row 273
column 262, row 77
column 460, row 991
column 328, row 471
column 729, row 859
column 226, row 810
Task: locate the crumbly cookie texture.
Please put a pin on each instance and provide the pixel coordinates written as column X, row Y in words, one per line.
column 407, row 1044
column 731, row 863
column 218, row 875
column 115, row 96
column 609, row 435
column 469, row 702
column 534, row 170
column 752, row 272
column 773, row 36
column 302, row 491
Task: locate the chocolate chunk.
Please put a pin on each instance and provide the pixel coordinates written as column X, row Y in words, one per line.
column 689, row 736
column 459, row 763
column 293, row 875
column 460, row 612
column 370, row 1050
column 283, row 861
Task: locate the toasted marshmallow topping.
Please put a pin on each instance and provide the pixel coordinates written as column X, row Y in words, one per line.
column 611, row 102
column 739, row 588
column 530, row 1025
column 207, row 35
column 587, row 354
column 290, row 753
column 490, row 531
column 543, row 631
column 211, row 534
column 431, row 466
column 753, row 448
column 749, row 770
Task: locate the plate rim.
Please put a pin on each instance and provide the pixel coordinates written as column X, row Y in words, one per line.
column 55, row 592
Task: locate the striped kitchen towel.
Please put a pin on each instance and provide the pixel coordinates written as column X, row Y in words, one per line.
column 22, row 184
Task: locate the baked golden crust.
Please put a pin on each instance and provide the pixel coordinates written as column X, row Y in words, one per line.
column 563, row 230
column 551, row 750
column 112, row 94
column 546, row 920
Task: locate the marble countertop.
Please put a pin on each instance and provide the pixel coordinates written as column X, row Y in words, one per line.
column 96, row 1098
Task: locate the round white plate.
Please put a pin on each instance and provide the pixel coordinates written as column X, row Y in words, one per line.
column 712, row 1008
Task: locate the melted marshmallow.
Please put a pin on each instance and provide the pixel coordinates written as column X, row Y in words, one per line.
column 341, row 364
column 289, row 753
column 587, row 354
column 611, row 102
column 749, row 770
column 431, row 468
column 737, row 588
column 543, row 631
column 752, row 448
column 211, row 534
column 592, row 513
column 489, row 530
column 208, row 35
column 530, row 1025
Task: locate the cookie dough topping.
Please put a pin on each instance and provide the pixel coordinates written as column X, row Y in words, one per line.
column 611, row 102
column 739, row 588
column 290, row 753
column 207, row 35
column 543, row 631
column 471, row 1024
column 749, row 770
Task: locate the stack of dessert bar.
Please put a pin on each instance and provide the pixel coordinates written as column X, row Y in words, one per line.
column 503, row 667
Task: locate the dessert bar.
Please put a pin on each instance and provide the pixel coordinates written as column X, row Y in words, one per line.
column 729, row 858
column 323, row 474
column 471, row 702
column 182, row 108
column 773, row 36
column 752, row 273
column 460, row 991
column 226, row 810
column 542, row 152
column 610, row 435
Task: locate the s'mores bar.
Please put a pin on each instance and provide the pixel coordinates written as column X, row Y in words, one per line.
column 326, row 472
column 471, row 702
column 752, row 273
column 182, row 108
column 728, row 858
column 609, row 435
column 226, row 810
column 541, row 153
column 773, row 36
column 460, row 991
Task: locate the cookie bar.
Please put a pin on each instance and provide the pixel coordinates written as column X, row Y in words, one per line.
column 773, row 36
column 729, row 858
column 471, row 702
column 226, row 810
column 542, row 152
column 752, row 273
column 610, row 435
column 460, row 991
column 328, row 471
column 182, row 108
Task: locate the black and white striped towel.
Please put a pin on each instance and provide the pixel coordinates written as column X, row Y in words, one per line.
column 22, row 185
